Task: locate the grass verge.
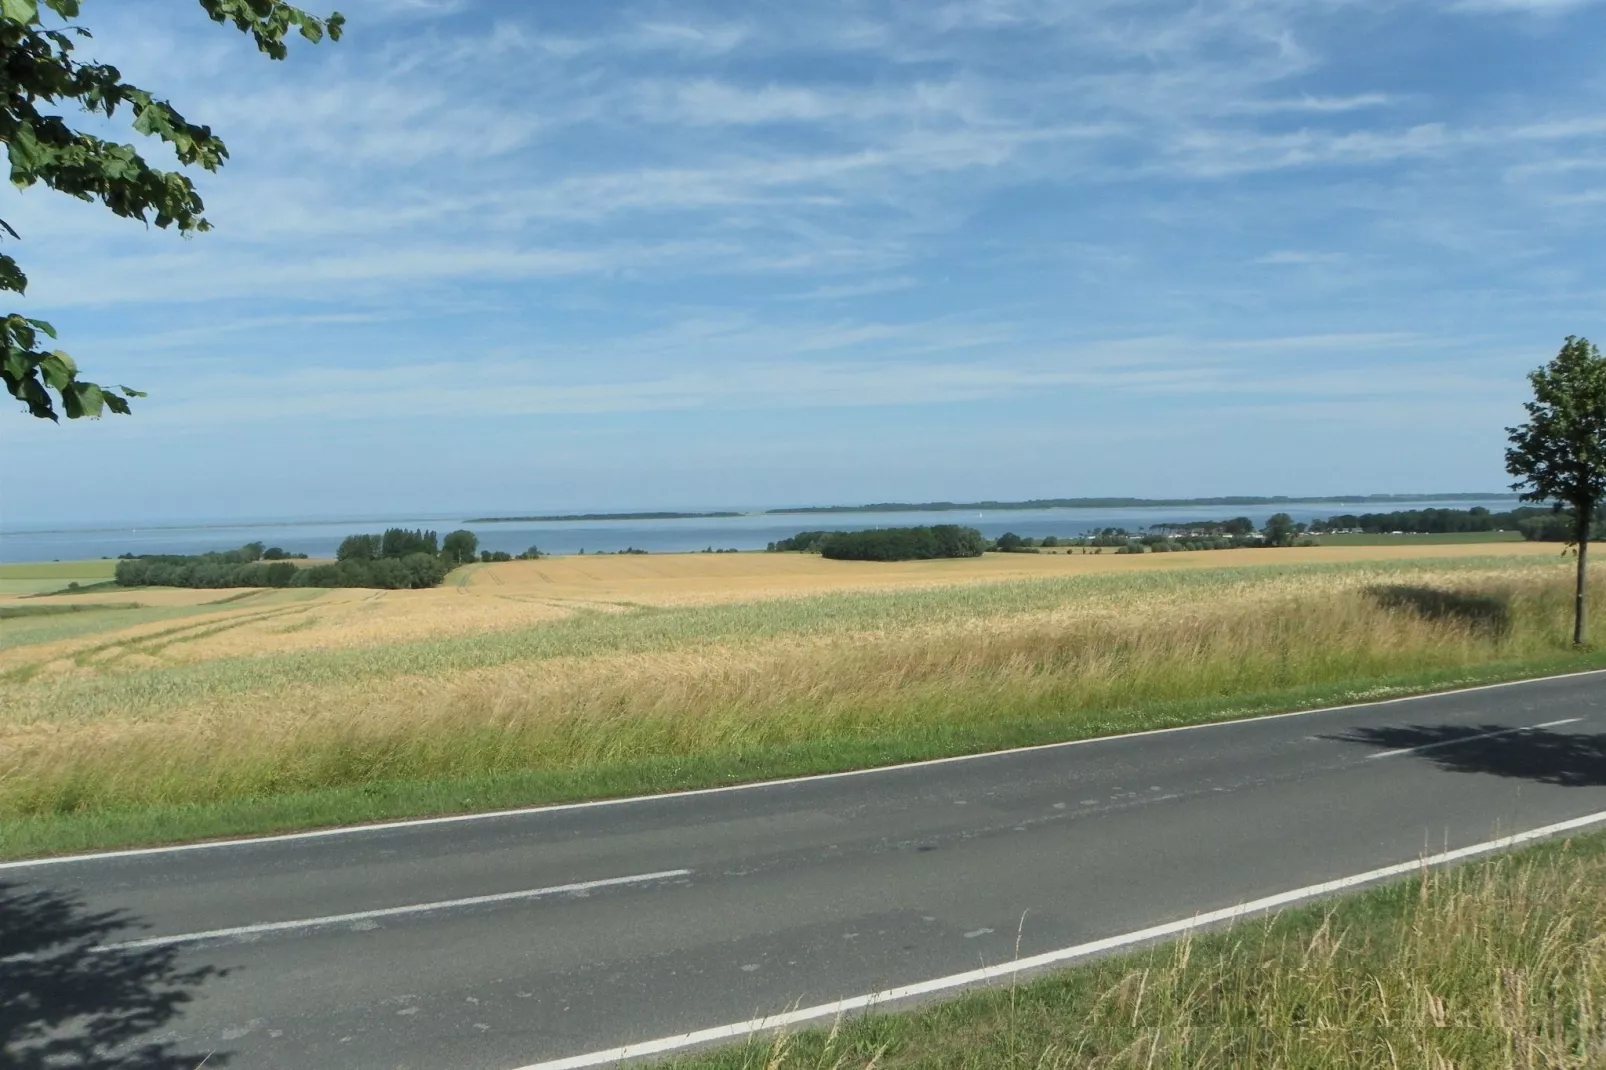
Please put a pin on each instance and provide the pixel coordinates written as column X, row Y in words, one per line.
column 1496, row 965
column 1447, row 538
column 38, row 835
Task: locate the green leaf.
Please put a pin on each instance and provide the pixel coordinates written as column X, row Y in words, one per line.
column 23, row 11
column 44, row 83
column 11, row 276
column 83, row 399
column 59, row 370
column 32, row 393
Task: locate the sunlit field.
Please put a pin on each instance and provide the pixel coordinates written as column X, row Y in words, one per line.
column 668, row 671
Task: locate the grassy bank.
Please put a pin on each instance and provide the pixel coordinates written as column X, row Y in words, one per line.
column 1450, row 538
column 1501, row 964
column 112, row 745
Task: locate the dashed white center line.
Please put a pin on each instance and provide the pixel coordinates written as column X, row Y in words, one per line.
column 1470, row 739
column 359, row 916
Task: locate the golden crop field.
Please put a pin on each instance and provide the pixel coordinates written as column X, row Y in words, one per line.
column 573, row 665
column 141, row 631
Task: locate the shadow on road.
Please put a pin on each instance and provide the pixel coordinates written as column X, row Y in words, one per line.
column 1538, row 754
column 1486, row 613
column 64, row 1005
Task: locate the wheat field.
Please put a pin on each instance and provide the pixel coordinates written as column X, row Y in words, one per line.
column 479, row 599
column 584, row 663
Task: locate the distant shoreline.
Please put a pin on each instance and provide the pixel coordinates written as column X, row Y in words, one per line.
column 598, row 516
column 800, row 510
column 1135, row 503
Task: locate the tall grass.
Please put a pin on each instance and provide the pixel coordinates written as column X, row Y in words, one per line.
column 1082, row 657
column 1496, row 966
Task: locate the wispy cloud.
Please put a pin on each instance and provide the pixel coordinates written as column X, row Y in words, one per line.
column 968, row 208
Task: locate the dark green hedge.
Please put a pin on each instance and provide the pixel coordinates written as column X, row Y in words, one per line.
column 414, row 570
column 903, row 544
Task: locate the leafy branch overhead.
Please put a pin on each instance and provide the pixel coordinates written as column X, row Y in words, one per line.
column 41, row 75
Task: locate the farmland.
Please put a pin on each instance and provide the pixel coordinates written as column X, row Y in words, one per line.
column 151, row 714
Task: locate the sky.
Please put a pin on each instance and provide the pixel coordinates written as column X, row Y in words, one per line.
column 547, row 255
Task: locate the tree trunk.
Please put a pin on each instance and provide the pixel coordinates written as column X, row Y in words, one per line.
column 1580, row 600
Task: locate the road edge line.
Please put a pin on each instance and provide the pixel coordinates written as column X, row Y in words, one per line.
column 754, row 785
column 958, row 981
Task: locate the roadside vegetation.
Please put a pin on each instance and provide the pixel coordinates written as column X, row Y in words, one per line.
column 1497, row 965
column 181, row 728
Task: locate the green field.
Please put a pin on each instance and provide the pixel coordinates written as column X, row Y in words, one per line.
column 44, row 577
column 1456, row 538
column 1498, row 965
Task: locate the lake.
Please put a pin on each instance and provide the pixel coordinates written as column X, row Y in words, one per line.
column 753, row 531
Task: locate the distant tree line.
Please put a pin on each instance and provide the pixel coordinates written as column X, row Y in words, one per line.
column 803, row 541
column 204, row 570
column 888, row 544
column 1536, row 524
column 396, row 559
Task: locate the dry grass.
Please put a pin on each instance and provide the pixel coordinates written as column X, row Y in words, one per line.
column 481, row 599
column 1497, row 966
column 121, row 721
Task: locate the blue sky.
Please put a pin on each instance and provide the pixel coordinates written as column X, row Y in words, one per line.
column 487, row 254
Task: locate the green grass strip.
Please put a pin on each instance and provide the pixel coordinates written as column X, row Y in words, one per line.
column 42, row 835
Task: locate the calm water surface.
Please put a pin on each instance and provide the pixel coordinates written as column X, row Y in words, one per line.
column 748, row 532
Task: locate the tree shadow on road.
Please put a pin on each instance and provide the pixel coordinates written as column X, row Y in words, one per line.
column 1487, row 613
column 64, row 1004
column 1569, row 759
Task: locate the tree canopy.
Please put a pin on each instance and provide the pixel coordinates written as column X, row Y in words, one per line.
column 1559, row 454
column 39, row 74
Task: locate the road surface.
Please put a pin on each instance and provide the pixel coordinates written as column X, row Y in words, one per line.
column 510, row 940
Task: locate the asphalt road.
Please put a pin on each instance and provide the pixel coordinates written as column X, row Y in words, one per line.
column 575, row 929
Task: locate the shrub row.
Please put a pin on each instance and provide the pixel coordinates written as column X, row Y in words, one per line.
column 903, row 544
column 208, row 571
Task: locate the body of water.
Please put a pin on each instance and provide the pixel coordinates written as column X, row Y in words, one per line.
column 747, row 532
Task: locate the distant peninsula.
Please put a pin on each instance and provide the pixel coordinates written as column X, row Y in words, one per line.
column 1135, row 503
column 597, row 516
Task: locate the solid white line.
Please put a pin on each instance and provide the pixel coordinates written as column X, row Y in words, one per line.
column 388, row 912
column 1469, row 739
column 743, row 1030
column 756, row 785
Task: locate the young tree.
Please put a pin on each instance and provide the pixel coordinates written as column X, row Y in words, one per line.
column 1559, row 455
column 460, row 547
column 38, row 69
column 1280, row 530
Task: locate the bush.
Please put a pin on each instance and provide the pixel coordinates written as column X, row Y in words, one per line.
column 390, row 573
column 805, row 541
column 490, row 556
column 531, row 554
column 358, row 548
column 241, row 568
column 228, row 568
column 460, row 547
column 399, row 542
column 903, row 544
column 1559, row 526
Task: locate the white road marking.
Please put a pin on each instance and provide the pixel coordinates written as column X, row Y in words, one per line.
column 1469, row 739
column 756, row 785
column 388, row 912
column 742, row 1030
